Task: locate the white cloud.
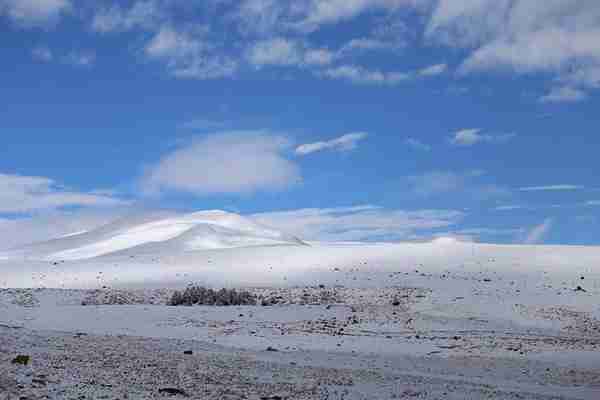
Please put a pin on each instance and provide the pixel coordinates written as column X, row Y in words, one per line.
column 320, row 12
column 358, row 223
column 22, row 194
column 470, row 137
column 524, row 36
column 34, row 12
column 318, row 57
column 188, row 54
column 168, row 42
column 142, row 14
column 538, row 233
column 364, row 44
column 433, row 70
column 357, row 74
column 509, row 208
column 276, row 51
column 230, row 162
column 593, row 203
column 343, row 143
column 556, row 37
column 47, row 225
column 466, row 137
column 286, row 52
column 417, row 144
column 42, row 54
column 564, row 94
column 260, row 16
column 550, row 188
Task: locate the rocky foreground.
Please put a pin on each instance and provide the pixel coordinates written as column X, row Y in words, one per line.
column 308, row 343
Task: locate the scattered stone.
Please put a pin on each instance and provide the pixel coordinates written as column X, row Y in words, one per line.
column 271, row 349
column 188, row 352
column 580, row 289
column 172, row 391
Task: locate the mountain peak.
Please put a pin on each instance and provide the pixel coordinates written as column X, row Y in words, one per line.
column 196, row 231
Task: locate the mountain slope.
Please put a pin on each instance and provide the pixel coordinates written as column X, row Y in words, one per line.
column 202, row 230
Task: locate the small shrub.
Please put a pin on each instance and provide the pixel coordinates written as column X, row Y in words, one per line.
column 198, row 295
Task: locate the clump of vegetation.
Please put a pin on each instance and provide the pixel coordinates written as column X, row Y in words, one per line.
column 198, row 295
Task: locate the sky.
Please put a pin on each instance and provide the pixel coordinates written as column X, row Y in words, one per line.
column 372, row 120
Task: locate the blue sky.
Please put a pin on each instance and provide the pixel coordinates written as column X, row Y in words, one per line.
column 337, row 120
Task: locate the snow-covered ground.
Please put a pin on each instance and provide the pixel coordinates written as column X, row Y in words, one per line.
column 443, row 319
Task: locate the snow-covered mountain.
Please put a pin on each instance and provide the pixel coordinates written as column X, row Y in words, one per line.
column 170, row 233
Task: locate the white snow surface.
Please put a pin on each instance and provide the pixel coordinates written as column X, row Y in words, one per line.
column 202, row 230
column 479, row 301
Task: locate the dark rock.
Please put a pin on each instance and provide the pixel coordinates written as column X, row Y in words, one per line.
column 188, row 352
column 21, row 359
column 172, row 391
column 271, row 349
column 580, row 289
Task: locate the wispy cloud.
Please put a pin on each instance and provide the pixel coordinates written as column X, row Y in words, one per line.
column 564, row 94
column 80, row 58
column 367, row 44
column 22, row 194
column 286, row 52
column 593, row 203
column 509, row 208
column 444, row 182
column 35, row 12
column 343, row 143
column 515, row 36
column 417, row 144
column 433, row 70
column 52, row 224
column 358, row 223
column 189, row 54
column 229, row 162
column 550, row 188
column 539, row 232
column 142, row 14
column 357, row 74
column 470, row 137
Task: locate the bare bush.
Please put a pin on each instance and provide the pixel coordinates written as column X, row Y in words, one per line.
column 198, row 295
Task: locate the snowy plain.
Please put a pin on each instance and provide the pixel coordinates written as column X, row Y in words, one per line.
column 487, row 321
